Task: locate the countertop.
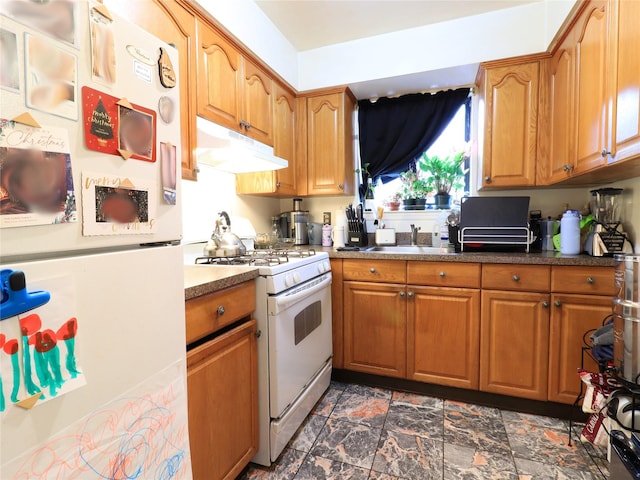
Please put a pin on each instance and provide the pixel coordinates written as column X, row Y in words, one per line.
column 542, row 258
column 203, row 279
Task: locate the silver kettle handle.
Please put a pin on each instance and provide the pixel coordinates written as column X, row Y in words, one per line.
column 227, row 222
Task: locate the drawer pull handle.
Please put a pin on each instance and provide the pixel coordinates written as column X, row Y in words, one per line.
column 591, row 280
column 545, row 304
column 402, row 294
column 516, row 278
column 557, row 303
column 372, row 270
column 220, row 311
column 442, row 274
column 410, row 294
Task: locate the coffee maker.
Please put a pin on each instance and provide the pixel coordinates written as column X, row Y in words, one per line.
column 294, row 224
column 606, row 237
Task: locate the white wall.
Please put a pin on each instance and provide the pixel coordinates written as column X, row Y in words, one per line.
column 249, row 24
column 215, row 191
column 503, row 33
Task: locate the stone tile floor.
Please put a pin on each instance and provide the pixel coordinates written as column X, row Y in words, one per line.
column 359, row 432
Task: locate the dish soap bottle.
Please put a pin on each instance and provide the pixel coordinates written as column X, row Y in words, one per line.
column 369, row 201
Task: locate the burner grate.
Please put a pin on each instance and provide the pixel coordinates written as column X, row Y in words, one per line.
column 267, row 257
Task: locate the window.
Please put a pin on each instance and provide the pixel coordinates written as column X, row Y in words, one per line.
column 452, row 139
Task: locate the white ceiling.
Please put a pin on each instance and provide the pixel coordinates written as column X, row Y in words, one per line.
column 310, row 24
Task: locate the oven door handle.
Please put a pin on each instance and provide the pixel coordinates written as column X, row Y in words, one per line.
column 287, row 300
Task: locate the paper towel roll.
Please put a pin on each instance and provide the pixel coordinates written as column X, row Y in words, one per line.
column 339, row 219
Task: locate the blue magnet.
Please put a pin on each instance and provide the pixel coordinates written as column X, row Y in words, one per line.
column 15, row 298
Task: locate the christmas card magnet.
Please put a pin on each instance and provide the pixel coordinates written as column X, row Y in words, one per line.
column 116, row 127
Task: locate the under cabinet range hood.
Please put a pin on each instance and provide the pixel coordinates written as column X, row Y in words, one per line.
column 233, row 152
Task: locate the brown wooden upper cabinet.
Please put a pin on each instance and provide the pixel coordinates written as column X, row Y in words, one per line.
column 171, row 22
column 591, row 96
column 232, row 90
column 624, row 136
column 283, row 182
column 509, row 95
column 330, row 164
column 590, row 87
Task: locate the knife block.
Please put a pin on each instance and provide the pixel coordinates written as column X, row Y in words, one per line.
column 359, row 238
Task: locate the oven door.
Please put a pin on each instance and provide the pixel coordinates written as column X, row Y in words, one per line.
column 299, row 339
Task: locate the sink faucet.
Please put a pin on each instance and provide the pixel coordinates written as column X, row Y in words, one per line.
column 414, row 234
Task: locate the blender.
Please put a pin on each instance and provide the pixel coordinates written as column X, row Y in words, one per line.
column 606, row 237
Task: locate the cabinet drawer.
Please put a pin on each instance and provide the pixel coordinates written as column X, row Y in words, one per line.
column 532, row 278
column 209, row 313
column 583, row 280
column 445, row 274
column 390, row 271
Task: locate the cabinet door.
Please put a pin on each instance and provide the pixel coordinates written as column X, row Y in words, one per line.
column 327, row 145
column 337, row 310
column 375, row 330
column 571, row 317
column 443, row 330
column 560, row 159
column 625, row 131
column 591, row 77
column 284, row 139
column 511, row 125
column 222, row 388
column 172, row 23
column 219, row 79
column 514, row 343
column 279, row 183
column 257, row 107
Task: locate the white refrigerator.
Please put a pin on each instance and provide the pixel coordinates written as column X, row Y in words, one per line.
column 92, row 335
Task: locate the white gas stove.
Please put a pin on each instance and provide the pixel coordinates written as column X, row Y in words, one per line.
column 293, row 312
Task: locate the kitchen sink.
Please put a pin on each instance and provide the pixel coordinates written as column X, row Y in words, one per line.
column 407, row 249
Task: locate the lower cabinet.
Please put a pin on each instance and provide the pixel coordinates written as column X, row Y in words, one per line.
column 514, row 345
column 510, row 329
column 222, row 387
column 571, row 317
column 443, row 331
column 580, row 301
column 375, row 328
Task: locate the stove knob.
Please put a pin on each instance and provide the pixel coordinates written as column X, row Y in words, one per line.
column 288, row 280
column 297, row 277
column 327, row 265
column 321, row 268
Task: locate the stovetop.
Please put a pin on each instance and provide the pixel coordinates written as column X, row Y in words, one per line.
column 266, row 257
column 305, row 261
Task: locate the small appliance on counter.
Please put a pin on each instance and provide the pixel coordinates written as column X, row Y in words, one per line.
column 606, row 237
column 295, row 223
column 494, row 224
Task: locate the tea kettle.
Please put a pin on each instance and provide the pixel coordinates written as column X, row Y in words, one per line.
column 223, row 243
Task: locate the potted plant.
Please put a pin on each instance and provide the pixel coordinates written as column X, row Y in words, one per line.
column 442, row 175
column 393, row 202
column 414, row 190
